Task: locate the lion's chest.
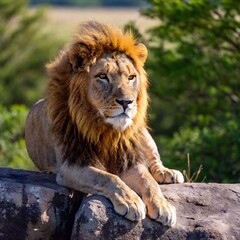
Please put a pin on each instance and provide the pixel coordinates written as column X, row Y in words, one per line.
column 113, row 159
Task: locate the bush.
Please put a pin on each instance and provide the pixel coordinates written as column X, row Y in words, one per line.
column 13, row 151
column 195, row 84
column 216, row 149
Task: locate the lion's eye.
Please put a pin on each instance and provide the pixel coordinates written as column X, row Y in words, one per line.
column 103, row 77
column 131, row 77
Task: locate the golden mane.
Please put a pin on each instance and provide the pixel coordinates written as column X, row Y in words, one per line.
column 74, row 120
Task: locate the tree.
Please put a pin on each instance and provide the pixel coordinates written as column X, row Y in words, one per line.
column 195, row 84
column 25, row 47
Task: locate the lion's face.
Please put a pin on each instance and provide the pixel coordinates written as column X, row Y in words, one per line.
column 113, row 89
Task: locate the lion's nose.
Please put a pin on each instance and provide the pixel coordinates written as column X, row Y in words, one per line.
column 124, row 103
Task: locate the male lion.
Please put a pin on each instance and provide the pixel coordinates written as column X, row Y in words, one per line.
column 91, row 129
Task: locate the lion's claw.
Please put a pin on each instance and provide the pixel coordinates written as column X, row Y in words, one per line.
column 162, row 211
column 166, row 175
column 168, row 216
column 129, row 205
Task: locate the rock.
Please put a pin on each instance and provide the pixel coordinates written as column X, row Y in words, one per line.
column 204, row 211
column 33, row 206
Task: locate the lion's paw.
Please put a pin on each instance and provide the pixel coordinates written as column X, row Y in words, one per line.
column 166, row 175
column 129, row 205
column 162, row 211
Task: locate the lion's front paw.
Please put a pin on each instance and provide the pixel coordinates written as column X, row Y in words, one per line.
column 166, row 175
column 129, row 204
column 162, row 211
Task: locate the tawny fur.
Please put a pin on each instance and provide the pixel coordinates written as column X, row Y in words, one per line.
column 71, row 133
column 67, row 91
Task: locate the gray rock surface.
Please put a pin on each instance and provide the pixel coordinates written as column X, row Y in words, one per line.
column 204, row 211
column 33, row 206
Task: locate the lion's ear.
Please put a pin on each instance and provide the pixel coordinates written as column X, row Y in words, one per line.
column 79, row 55
column 142, row 52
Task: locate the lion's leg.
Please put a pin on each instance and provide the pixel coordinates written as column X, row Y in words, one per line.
column 95, row 181
column 159, row 172
column 140, row 180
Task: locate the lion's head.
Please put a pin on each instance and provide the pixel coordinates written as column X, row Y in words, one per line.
column 99, row 85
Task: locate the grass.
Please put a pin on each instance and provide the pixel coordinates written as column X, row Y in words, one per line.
column 63, row 21
column 192, row 177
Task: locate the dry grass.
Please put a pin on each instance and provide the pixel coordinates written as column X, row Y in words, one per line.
column 189, row 177
column 64, row 21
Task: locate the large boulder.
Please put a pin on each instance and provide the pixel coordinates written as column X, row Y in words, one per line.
column 204, row 211
column 33, row 206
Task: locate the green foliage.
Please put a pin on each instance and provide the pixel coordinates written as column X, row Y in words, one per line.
column 216, row 149
column 195, row 84
column 13, row 151
column 25, row 47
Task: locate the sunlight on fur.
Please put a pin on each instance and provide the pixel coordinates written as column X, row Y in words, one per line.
column 92, row 131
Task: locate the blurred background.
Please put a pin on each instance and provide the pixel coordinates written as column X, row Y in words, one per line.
column 193, row 67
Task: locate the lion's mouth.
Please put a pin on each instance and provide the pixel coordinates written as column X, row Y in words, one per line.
column 120, row 121
column 119, row 115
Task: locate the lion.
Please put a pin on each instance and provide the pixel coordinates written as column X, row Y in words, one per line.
column 91, row 129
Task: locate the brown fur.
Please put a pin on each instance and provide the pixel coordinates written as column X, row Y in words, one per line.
column 91, row 130
column 87, row 140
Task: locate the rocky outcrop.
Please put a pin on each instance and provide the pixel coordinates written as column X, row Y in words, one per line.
column 204, row 211
column 33, row 206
